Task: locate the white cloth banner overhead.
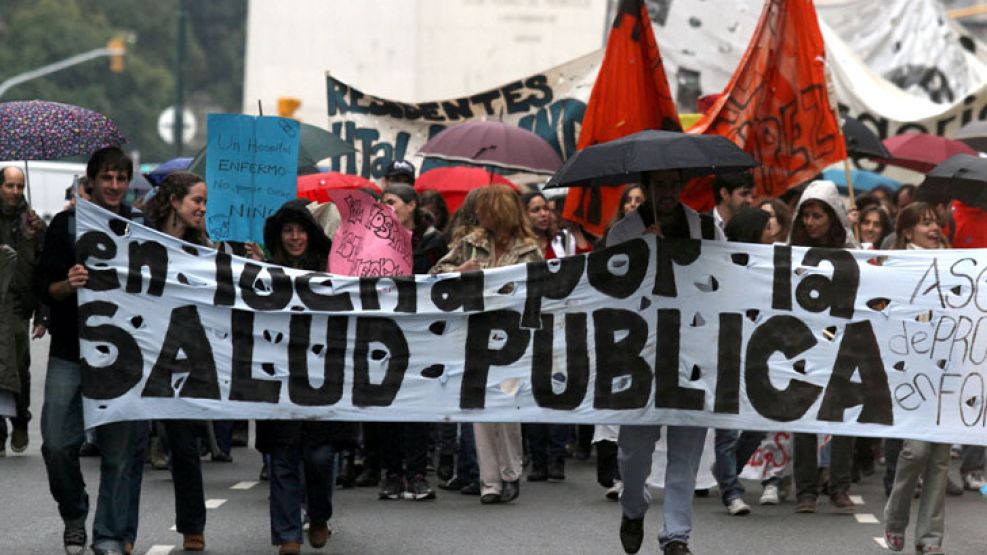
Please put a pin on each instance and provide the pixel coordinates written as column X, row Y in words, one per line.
column 898, row 65
column 550, row 104
column 677, row 332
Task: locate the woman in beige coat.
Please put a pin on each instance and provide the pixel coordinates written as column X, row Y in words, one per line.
column 502, row 238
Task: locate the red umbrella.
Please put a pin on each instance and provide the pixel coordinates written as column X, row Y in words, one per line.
column 921, row 151
column 455, row 182
column 316, row 186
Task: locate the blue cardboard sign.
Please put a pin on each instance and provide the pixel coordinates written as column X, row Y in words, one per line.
column 251, row 170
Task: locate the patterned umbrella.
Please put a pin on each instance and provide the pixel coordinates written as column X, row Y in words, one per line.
column 41, row 130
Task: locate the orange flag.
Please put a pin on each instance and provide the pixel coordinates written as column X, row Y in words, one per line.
column 630, row 95
column 776, row 106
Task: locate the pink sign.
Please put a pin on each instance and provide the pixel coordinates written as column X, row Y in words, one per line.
column 370, row 241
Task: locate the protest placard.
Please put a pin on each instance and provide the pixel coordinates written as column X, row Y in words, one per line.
column 715, row 334
column 370, row 242
column 251, row 170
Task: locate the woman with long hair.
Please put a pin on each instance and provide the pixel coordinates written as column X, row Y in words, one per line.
column 404, row 445
column 178, row 208
column 501, row 238
column 918, row 229
column 296, row 240
column 875, row 225
column 821, row 221
column 781, row 216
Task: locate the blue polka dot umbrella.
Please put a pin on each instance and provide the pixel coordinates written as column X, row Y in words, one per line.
column 41, row 130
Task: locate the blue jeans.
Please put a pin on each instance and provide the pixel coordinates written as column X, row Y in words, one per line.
column 288, row 490
column 685, row 447
column 733, row 450
column 62, row 435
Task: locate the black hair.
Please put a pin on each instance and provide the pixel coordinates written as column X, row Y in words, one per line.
column 441, row 213
column 747, row 225
column 109, row 158
column 731, row 182
column 835, row 237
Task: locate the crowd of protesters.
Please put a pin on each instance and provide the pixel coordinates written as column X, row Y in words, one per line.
column 496, row 226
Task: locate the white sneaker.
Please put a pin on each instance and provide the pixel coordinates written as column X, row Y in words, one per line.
column 770, row 495
column 614, row 491
column 974, row 480
column 737, row 507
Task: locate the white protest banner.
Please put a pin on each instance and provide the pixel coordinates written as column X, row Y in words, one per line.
column 680, row 332
column 370, row 241
column 550, row 104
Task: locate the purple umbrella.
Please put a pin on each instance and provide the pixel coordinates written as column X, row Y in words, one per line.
column 41, row 130
column 492, row 143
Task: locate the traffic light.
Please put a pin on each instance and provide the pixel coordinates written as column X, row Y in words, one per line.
column 117, row 51
column 287, row 106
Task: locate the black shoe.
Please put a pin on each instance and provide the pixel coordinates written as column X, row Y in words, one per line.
column 88, row 450
column 490, row 498
column 510, row 491
column 453, row 484
column 677, row 548
column 74, row 539
column 538, row 474
column 702, row 492
column 222, row 457
column 631, row 533
column 472, row 488
column 556, row 471
column 368, row 478
column 347, row 474
column 446, row 468
column 391, row 488
column 419, row 489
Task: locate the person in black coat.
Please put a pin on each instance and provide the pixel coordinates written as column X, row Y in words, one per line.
column 295, row 240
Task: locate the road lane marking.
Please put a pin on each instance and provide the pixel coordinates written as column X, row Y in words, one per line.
column 160, row 550
column 243, row 485
column 214, row 503
column 857, row 499
column 866, row 518
column 174, row 528
column 881, row 542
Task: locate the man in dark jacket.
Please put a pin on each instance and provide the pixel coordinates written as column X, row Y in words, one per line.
column 115, row 525
column 22, row 230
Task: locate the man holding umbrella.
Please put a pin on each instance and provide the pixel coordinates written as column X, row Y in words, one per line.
column 121, row 444
column 21, row 229
column 663, row 214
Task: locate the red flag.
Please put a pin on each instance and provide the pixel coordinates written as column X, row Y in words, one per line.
column 776, row 106
column 630, row 95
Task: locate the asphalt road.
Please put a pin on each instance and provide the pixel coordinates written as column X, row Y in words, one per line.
column 565, row 518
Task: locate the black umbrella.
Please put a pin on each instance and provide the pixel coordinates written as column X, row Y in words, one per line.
column 625, row 159
column 974, row 134
column 962, row 177
column 861, row 141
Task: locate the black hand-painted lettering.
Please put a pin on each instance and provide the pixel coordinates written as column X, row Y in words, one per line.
column 185, row 335
column 577, row 363
column 618, row 271
column 483, row 329
column 464, row 292
column 100, row 246
column 728, row 364
column 669, row 394
column 816, row 293
column 858, row 351
column 388, row 333
column 340, row 302
column 300, row 389
column 281, row 289
column 154, row 256
column 117, row 378
column 543, row 283
column 791, row 337
column 244, row 387
column 620, row 359
column 407, row 293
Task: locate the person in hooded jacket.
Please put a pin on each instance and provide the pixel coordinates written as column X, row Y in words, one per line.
column 821, row 221
column 295, row 240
